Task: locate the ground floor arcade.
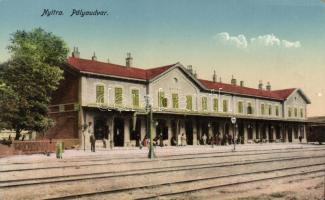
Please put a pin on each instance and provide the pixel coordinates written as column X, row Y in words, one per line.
column 127, row 129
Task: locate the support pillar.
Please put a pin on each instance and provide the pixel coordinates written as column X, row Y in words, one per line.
column 245, row 132
column 274, row 133
column 286, row 134
column 254, row 131
column 267, row 132
column 127, row 132
column 194, row 132
column 170, row 131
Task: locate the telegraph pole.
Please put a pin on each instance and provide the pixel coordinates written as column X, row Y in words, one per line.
column 233, row 121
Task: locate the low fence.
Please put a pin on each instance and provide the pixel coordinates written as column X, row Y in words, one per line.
column 36, row 146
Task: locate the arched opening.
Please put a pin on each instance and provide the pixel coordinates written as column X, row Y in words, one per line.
column 135, row 133
column 290, row 134
column 189, row 132
column 162, row 129
column 271, row 139
column 240, row 137
column 100, row 129
column 118, row 132
column 250, row 131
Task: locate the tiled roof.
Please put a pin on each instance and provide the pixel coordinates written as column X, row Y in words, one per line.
column 115, row 70
column 147, row 74
column 278, row 94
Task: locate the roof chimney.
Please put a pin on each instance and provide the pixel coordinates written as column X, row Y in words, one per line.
column 241, row 83
column 128, row 60
column 195, row 74
column 94, row 57
column 233, row 80
column 108, row 61
column 214, row 77
column 75, row 53
column 260, row 85
column 268, row 86
column 190, row 69
column 220, row 80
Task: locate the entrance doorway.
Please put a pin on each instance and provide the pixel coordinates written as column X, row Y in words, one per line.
column 118, row 132
column 189, row 132
column 290, row 134
column 100, row 129
column 270, row 133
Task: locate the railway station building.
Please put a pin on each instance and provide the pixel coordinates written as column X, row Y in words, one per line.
column 114, row 99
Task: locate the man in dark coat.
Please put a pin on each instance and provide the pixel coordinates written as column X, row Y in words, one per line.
column 92, row 142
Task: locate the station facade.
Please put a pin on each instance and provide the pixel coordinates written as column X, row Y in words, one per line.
column 115, row 99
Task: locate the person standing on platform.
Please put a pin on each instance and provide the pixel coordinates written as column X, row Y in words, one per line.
column 179, row 140
column 161, row 140
column 92, row 142
column 204, row 138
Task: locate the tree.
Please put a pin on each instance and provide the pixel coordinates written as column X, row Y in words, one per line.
column 31, row 75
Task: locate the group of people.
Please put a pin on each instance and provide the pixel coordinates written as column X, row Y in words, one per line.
column 219, row 140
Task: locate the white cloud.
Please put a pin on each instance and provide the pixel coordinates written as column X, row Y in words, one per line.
column 238, row 41
column 268, row 40
column 288, row 44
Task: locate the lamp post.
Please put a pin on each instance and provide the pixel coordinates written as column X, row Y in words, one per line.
column 233, row 121
column 151, row 153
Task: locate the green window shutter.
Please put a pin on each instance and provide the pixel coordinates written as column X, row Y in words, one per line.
column 270, row 110
column 175, row 100
column 225, row 105
column 301, row 112
column 161, row 97
column 289, row 112
column 99, row 94
column 135, row 98
column 249, row 109
column 215, row 104
column 189, row 102
column 240, row 107
column 204, row 103
column 277, row 110
column 262, row 109
column 118, row 96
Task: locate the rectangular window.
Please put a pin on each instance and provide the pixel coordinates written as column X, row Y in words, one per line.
column 189, row 102
column 301, row 112
column 249, row 109
column 175, row 100
column 240, row 107
column 135, row 98
column 277, row 110
column 289, row 112
column 262, row 109
column 270, row 109
column 204, row 103
column 296, row 112
column 216, row 104
column 118, row 96
column 161, row 97
column 99, row 94
column 225, row 106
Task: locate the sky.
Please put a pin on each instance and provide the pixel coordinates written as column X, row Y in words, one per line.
column 276, row 41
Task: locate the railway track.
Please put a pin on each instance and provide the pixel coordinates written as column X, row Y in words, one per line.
column 155, row 187
column 114, row 174
column 169, row 158
column 141, row 156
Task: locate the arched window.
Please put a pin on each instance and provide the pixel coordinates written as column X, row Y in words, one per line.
column 249, row 109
